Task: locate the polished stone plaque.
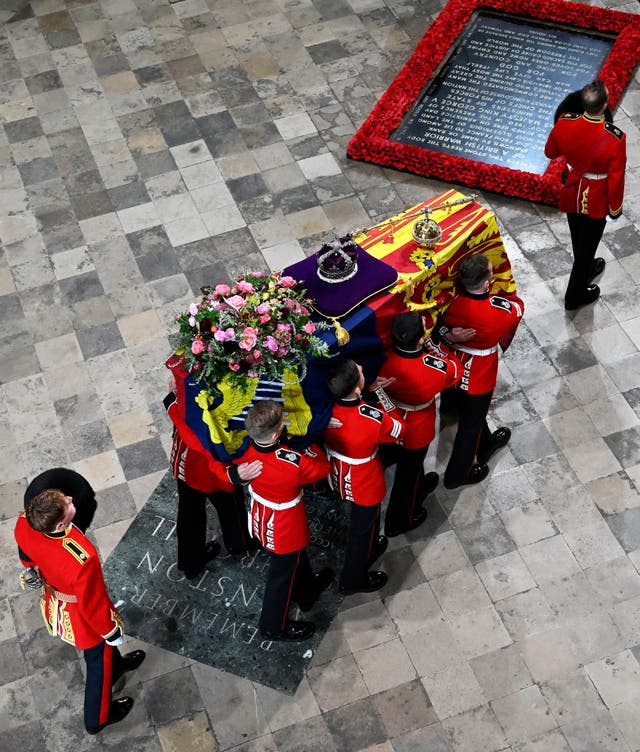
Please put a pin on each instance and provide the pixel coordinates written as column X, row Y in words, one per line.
column 493, row 98
column 214, row 618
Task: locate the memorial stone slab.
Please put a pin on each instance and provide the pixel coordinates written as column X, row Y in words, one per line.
column 494, row 96
column 214, row 618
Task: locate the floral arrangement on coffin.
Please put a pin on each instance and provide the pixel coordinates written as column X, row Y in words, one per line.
column 257, row 328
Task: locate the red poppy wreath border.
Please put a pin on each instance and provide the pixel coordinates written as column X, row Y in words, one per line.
column 372, row 141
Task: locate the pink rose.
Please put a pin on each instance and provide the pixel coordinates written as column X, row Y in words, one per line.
column 309, row 327
column 236, row 301
column 224, row 334
column 245, row 287
column 197, row 346
column 271, row 344
column 248, row 338
column 263, row 308
column 284, row 327
column 287, row 281
column 234, row 366
column 222, row 290
column 192, row 321
column 193, row 309
column 265, row 318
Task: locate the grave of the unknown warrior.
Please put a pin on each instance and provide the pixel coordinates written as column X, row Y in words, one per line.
column 214, row 618
column 493, row 97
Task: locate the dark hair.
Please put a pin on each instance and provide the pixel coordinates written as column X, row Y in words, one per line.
column 343, row 378
column 263, row 419
column 474, row 272
column 46, row 510
column 594, row 97
column 407, row 329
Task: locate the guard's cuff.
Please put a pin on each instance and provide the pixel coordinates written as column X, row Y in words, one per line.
column 169, row 400
column 234, row 476
column 615, row 213
column 439, row 334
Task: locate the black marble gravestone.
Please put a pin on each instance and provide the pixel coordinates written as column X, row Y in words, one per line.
column 493, row 98
column 214, row 619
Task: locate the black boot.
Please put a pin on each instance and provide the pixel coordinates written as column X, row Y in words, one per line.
column 118, row 711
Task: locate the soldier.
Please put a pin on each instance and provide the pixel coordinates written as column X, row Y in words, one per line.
column 71, row 484
column 414, row 379
column 74, row 601
column 596, row 154
column 357, row 473
column 279, row 522
column 494, row 321
column 200, row 477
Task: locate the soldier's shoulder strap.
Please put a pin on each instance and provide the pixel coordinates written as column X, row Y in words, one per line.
column 570, row 116
column 614, row 130
column 370, row 412
column 288, row 455
column 79, row 553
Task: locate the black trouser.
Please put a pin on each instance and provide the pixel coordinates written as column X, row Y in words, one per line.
column 191, row 527
column 364, row 528
column 104, row 668
column 473, row 435
column 290, row 578
column 403, row 501
column 586, row 233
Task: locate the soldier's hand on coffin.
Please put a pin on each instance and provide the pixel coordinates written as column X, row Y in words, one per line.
column 460, row 334
column 249, row 470
column 382, row 383
column 334, row 423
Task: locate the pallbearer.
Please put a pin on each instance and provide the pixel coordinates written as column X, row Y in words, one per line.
column 357, row 474
column 492, row 321
column 414, row 378
column 199, row 478
column 279, row 521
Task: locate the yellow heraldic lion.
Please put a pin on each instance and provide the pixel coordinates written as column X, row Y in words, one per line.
column 235, row 403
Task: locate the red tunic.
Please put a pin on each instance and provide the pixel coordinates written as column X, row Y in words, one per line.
column 284, row 473
column 419, row 378
column 495, row 320
column 363, row 428
column 592, row 146
column 69, row 564
column 197, row 469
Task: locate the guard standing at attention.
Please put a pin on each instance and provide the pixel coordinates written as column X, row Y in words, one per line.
column 200, row 477
column 596, row 155
column 74, row 601
column 415, row 378
column 357, row 473
column 279, row 521
column 494, row 321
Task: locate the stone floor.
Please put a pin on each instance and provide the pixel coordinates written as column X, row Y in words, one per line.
column 148, row 148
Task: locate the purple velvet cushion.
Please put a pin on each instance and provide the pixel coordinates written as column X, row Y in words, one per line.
column 338, row 298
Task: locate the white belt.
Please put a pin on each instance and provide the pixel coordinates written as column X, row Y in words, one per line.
column 351, row 460
column 412, row 408
column 278, row 507
column 591, row 175
column 474, row 351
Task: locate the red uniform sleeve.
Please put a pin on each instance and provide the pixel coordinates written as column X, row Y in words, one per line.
column 314, row 465
column 517, row 311
column 391, row 429
column 551, row 149
column 94, row 603
column 615, row 181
